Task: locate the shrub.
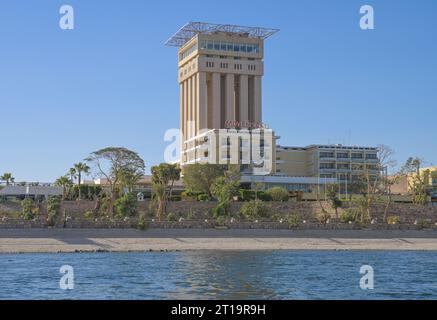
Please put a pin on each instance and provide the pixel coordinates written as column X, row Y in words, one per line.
column 53, row 210
column 424, row 223
column 28, row 209
column 246, row 195
column 221, row 209
column 347, row 216
column 171, row 217
column 126, row 206
column 142, row 223
column 190, row 196
column 220, row 221
column 254, row 209
column 203, row 197
column 323, row 217
column 278, row 194
column 175, row 198
column 393, row 220
column 89, row 214
column 264, row 196
column 293, row 220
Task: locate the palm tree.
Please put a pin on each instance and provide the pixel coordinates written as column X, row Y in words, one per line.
column 63, row 182
column 80, row 168
column 72, row 174
column 7, row 177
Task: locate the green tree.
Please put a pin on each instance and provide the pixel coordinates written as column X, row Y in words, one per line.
column 72, row 173
column 278, row 194
column 417, row 181
column 163, row 179
column 200, row 177
column 109, row 163
column 224, row 189
column 128, row 178
column 65, row 183
column 126, row 206
column 7, row 178
column 80, row 168
column 332, row 195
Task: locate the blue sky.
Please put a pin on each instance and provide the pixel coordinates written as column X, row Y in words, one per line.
column 112, row 82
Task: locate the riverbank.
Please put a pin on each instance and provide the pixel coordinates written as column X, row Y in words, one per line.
column 124, row 240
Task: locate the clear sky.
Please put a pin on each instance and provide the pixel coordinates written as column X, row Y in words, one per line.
column 112, row 82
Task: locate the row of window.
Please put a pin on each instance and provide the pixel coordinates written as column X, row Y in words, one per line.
column 346, row 166
column 187, row 52
column 345, row 155
column 225, row 65
column 229, row 46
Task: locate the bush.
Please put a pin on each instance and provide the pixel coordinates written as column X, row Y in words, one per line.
column 220, row 221
column 53, row 210
column 347, row 216
column 293, row 221
column 424, row 223
column 221, row 209
column 142, row 223
column 190, row 196
column 203, row 197
column 89, row 214
column 393, row 220
column 28, row 209
column 278, row 194
column 246, row 195
column 126, row 206
column 264, row 196
column 323, row 217
column 254, row 209
column 171, row 217
column 175, row 198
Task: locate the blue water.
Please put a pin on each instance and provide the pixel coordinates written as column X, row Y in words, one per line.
column 220, row 275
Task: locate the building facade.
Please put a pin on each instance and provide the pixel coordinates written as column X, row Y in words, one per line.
column 220, row 69
column 344, row 163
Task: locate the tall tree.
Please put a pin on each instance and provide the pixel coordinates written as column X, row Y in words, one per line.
column 332, row 195
column 200, row 177
column 7, row 178
column 417, row 181
column 128, row 178
column 387, row 163
column 163, row 178
column 109, row 163
column 65, row 183
column 79, row 169
column 72, row 174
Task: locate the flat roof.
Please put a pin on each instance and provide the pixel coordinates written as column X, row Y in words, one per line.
column 191, row 29
column 325, row 146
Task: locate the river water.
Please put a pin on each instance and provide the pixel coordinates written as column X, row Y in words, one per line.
column 220, row 275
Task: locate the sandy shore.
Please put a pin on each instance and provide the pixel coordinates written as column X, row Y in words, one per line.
column 119, row 240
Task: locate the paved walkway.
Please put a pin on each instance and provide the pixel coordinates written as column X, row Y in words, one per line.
column 71, row 240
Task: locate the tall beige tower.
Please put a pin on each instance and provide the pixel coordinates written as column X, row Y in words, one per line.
column 220, row 79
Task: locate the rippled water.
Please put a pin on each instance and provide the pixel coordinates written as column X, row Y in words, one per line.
column 220, row 275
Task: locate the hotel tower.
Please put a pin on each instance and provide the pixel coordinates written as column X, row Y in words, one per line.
column 220, row 80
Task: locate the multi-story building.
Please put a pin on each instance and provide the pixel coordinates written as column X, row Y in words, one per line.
column 220, row 80
column 344, row 163
column 220, row 70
